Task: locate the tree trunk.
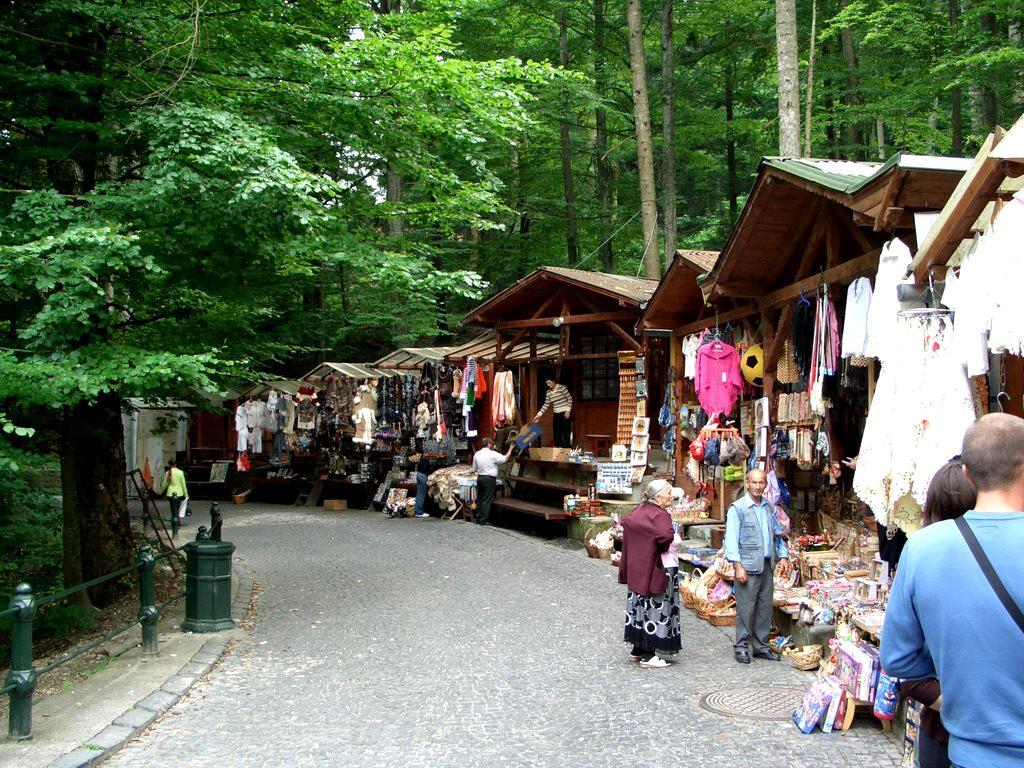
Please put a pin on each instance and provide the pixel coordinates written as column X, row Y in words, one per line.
column 71, row 533
column 810, row 79
column 92, row 467
column 601, row 146
column 572, row 238
column 96, row 539
column 989, row 98
column 956, row 100
column 668, row 141
column 731, row 181
column 644, row 148
column 880, row 137
column 851, row 98
column 788, row 76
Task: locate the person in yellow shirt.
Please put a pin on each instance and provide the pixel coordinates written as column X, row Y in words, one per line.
column 173, row 486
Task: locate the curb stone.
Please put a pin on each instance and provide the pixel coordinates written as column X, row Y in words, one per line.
column 133, row 720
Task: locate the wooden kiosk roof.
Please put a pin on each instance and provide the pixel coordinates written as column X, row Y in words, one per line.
column 539, row 286
column 996, row 172
column 557, row 298
column 484, row 348
column 791, row 194
column 678, row 293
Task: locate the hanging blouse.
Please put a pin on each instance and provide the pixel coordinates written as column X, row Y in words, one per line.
column 719, row 381
column 885, row 305
column 1007, row 334
column 855, row 323
column 921, row 409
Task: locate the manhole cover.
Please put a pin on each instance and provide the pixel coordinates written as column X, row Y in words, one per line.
column 766, row 702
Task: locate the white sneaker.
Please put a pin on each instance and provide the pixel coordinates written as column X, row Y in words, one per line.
column 423, row 514
column 655, row 662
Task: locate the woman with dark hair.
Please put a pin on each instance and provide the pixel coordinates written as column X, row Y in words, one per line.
column 649, row 566
column 950, row 494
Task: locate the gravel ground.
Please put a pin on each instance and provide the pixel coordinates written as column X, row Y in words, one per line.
column 430, row 643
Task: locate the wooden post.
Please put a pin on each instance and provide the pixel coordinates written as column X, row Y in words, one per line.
column 678, row 365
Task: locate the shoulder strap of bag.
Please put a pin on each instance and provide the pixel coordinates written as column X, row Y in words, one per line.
column 990, row 573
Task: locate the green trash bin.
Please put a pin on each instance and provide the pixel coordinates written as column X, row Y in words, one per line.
column 208, row 586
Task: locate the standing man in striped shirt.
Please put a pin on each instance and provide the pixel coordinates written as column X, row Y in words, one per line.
column 559, row 401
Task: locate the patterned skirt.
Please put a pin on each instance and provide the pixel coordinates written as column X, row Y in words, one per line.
column 652, row 623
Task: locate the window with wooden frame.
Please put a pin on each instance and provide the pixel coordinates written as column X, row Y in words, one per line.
column 598, row 377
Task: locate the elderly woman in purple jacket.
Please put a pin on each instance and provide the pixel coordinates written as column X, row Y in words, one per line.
column 649, row 565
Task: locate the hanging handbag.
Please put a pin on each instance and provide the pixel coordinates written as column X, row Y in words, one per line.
column 786, row 371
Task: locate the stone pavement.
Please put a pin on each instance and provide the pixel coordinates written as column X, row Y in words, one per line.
column 430, row 643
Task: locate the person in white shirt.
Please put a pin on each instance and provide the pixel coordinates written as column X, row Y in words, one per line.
column 485, row 464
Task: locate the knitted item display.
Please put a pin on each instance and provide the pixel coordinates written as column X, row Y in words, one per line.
column 719, row 381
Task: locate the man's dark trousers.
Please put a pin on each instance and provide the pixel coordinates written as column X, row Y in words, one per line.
column 485, row 488
column 754, row 609
column 562, row 427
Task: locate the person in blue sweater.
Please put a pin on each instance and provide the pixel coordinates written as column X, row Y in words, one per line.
column 944, row 619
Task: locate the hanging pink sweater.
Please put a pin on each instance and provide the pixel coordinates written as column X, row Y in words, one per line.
column 719, row 380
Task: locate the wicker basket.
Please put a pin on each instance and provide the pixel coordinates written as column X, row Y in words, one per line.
column 592, row 549
column 708, row 608
column 806, row 658
column 724, row 619
column 687, row 586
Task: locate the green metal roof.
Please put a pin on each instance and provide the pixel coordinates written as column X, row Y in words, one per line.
column 850, row 176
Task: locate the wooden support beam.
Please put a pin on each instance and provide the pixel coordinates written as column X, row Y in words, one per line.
column 832, row 244
column 976, row 188
column 862, row 240
column 768, row 337
column 842, row 273
column 739, row 290
column 545, row 306
column 503, row 353
column 774, row 351
column 591, row 317
column 697, row 325
column 624, row 335
column 888, row 199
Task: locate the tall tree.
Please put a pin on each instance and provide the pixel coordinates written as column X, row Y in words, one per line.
column 812, row 46
column 668, row 141
column 601, row 164
column 572, row 238
column 644, row 149
column 786, row 47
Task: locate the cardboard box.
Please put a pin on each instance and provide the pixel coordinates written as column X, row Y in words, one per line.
column 549, row 454
column 335, row 505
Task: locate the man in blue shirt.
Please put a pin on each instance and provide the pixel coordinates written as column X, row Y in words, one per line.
column 944, row 619
column 753, row 548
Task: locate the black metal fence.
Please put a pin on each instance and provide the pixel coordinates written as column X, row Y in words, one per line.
column 20, row 683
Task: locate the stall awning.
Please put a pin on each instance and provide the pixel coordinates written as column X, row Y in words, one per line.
column 411, row 358
column 484, row 348
column 288, row 386
column 348, row 370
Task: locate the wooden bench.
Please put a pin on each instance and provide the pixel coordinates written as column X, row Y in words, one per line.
column 530, row 508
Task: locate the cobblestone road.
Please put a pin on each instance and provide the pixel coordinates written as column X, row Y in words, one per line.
column 428, row 643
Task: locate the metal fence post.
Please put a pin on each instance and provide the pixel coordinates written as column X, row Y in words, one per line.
column 148, row 612
column 175, row 520
column 216, row 521
column 22, row 675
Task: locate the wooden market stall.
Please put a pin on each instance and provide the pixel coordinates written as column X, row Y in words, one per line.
column 590, row 317
column 806, row 223
column 579, row 328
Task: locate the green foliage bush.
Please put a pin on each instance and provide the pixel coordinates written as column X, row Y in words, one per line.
column 30, row 539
